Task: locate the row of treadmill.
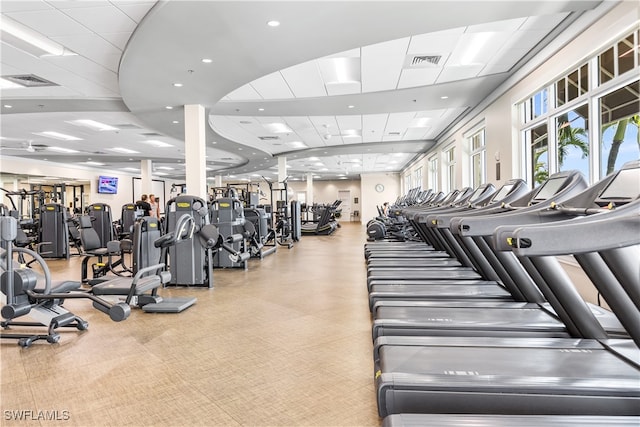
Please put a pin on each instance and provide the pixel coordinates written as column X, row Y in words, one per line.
column 479, row 323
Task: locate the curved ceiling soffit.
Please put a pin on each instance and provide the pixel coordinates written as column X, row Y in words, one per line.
column 243, row 48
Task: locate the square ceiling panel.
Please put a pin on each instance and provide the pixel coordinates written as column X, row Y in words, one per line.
column 304, row 80
column 272, row 86
column 381, row 65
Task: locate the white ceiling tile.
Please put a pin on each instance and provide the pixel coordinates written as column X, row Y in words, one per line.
column 398, row 122
column 93, row 47
column 304, row 80
column 346, row 88
column 272, row 86
column 51, row 23
column 299, row 123
column 349, row 122
column 414, row 134
column 107, row 19
column 507, row 25
column 476, row 48
column 325, row 124
column 450, row 74
column 392, row 137
column 547, row 22
column 373, row 127
column 381, row 65
column 244, row 93
column 418, row 77
column 434, row 114
column 9, row 6
column 73, row 4
column 119, row 40
column 440, row 42
column 135, row 11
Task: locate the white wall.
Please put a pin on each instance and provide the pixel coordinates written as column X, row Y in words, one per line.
column 326, row 192
column 371, row 198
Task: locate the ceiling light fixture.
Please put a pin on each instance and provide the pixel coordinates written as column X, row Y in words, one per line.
column 175, row 122
column 58, row 135
column 273, row 23
column 123, row 150
column 131, row 169
column 62, row 150
column 444, row 97
column 8, row 106
column 207, row 60
column 260, row 109
column 277, row 128
column 420, row 122
column 29, row 41
column 92, row 124
column 350, row 106
column 473, row 47
column 169, row 107
column 164, row 168
column 95, row 163
column 7, row 84
column 177, row 85
column 156, row 143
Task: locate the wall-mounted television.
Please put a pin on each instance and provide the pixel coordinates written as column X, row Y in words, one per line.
column 107, row 185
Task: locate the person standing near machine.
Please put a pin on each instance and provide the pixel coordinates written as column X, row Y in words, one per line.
column 143, row 205
column 155, row 206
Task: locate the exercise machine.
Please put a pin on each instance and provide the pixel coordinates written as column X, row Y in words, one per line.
column 42, row 304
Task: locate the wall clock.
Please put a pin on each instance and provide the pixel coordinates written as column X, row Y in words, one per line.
column 379, row 188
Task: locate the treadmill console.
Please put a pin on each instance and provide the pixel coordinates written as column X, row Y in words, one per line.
column 622, row 189
column 549, row 189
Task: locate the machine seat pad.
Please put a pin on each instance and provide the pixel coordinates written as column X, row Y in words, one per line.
column 122, row 286
column 59, row 286
column 98, row 252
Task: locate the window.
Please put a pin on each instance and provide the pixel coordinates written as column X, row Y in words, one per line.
column 449, row 169
column 407, row 183
column 535, row 106
column 433, row 174
column 619, row 58
column 619, row 124
column 538, row 141
column 417, row 178
column 572, row 140
column 478, row 160
column 592, row 121
column 572, row 86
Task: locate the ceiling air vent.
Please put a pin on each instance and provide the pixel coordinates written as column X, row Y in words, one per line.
column 29, row 80
column 421, row 61
column 154, row 134
column 394, row 133
column 268, row 138
column 246, row 122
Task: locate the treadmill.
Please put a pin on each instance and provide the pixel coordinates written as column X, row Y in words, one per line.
column 479, row 198
column 476, row 420
column 496, row 282
column 591, row 375
column 516, row 318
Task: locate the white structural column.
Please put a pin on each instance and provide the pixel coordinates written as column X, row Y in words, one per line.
column 146, row 172
column 195, row 150
column 282, row 168
column 217, row 181
column 309, row 189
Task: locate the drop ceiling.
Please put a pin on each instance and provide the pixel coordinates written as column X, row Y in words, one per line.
column 339, row 88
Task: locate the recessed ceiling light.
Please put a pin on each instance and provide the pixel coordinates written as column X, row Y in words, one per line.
column 177, row 85
column 175, row 122
column 131, row 169
column 169, row 107
column 58, row 135
column 8, row 106
column 444, row 97
column 165, row 168
column 350, row 106
column 207, row 60
column 95, row 163
column 260, row 109
column 273, row 23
